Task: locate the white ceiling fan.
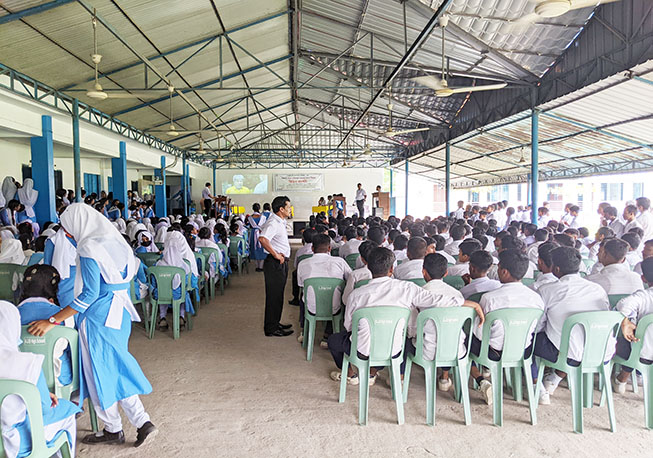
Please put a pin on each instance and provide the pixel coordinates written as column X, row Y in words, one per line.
column 546, row 9
column 440, row 85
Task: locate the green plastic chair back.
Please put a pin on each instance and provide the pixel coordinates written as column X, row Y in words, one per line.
column 536, row 273
column 360, row 283
column 351, row 260
column 208, row 252
column 149, row 259
column 32, row 399
column 202, row 283
column 384, row 322
column 455, row 256
column 476, row 297
column 159, row 245
column 164, row 275
column 323, row 290
column 399, row 262
column 527, row 281
column 598, row 326
column 335, row 251
column 417, row 281
column 455, row 281
column 302, row 257
column 615, row 298
column 588, row 262
column 237, row 253
column 7, row 272
column 450, row 324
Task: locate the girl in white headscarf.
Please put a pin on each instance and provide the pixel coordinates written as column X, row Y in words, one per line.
column 105, row 267
column 148, row 224
column 177, row 253
column 9, row 188
column 28, row 197
column 161, row 234
column 11, row 252
column 58, row 414
column 122, row 226
column 205, row 240
column 145, row 243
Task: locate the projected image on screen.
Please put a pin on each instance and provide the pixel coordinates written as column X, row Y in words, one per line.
column 247, row 183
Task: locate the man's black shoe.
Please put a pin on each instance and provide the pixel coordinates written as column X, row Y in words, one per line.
column 285, row 326
column 145, row 431
column 105, row 438
column 294, row 302
column 279, row 333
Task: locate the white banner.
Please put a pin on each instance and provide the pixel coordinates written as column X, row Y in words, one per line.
column 299, row 182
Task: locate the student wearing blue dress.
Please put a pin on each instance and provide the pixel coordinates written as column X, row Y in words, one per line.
column 61, row 253
column 112, row 376
column 144, row 243
column 267, row 210
column 58, row 414
column 8, row 214
column 256, row 220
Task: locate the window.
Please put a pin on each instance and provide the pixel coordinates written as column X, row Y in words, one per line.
column 91, row 183
column 554, row 192
column 519, row 193
column 638, row 190
column 612, row 191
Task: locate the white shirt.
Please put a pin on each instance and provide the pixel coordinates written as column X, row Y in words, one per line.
column 450, row 259
column 452, row 247
column 617, row 279
column 350, row 246
column 543, row 279
column 325, row 266
column 360, row 194
column 459, row 214
column 302, row 250
column 479, row 285
column 530, row 240
column 274, row 230
column 509, row 295
column 206, row 193
column 569, row 295
column 356, row 275
column 645, row 220
column 400, row 255
column 542, row 221
column 409, row 270
column 386, row 291
column 459, row 269
column 617, row 226
column 629, row 225
column 635, row 307
column 633, row 258
column 532, row 252
column 493, row 272
column 451, row 298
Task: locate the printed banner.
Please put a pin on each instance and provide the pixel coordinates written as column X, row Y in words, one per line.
column 299, row 182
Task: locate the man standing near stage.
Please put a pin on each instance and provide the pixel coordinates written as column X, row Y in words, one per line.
column 361, row 195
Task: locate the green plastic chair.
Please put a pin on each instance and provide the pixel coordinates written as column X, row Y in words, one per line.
column 136, row 301
column 7, row 272
column 455, row 256
column 32, row 399
column 323, row 289
column 598, row 327
column 351, row 260
column 645, row 369
column 527, row 281
column 191, row 290
column 159, row 245
column 449, row 323
column 399, row 262
column 163, row 275
column 615, row 298
column 238, row 255
column 202, row 282
column 418, row 281
column 149, row 259
column 45, row 346
column 536, row 273
column 335, row 251
column 208, row 252
column 476, row 297
column 302, row 257
column 360, row 283
column 384, row 322
column 517, row 324
column 589, row 263
column 455, row 281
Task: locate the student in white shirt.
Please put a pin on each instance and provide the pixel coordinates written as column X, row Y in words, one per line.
column 543, row 217
column 574, row 220
column 322, row 265
column 616, row 277
column 545, row 266
column 513, row 264
column 630, row 212
column 457, row 233
column 634, row 308
column 540, row 236
column 354, row 237
column 306, row 248
column 571, row 294
column 460, row 211
column 647, row 252
column 633, row 256
column 645, row 218
column 382, row 290
column 362, row 273
column 400, row 243
column 610, row 216
column 476, row 280
column 603, row 233
column 411, row 269
column 465, row 250
column 529, row 230
column 510, row 242
column 440, row 243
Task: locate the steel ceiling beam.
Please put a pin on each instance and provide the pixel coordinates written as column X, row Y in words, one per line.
column 32, row 11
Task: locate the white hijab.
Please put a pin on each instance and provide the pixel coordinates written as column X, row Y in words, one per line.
column 161, row 234
column 148, row 224
column 176, row 249
column 64, row 254
column 134, row 229
column 28, row 196
column 9, row 188
column 48, row 232
column 151, row 248
column 15, row 364
column 122, row 226
column 11, row 252
column 206, row 243
column 6, row 234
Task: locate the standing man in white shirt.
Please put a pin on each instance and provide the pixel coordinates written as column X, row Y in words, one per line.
column 361, row 195
column 616, row 277
column 460, row 212
column 207, row 199
column 274, row 239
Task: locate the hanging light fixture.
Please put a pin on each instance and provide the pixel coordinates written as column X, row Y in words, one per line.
column 521, row 159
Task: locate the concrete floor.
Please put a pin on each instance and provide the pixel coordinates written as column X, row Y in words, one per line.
column 225, row 389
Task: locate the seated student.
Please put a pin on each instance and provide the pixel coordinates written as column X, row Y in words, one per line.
column 353, row 238
column 39, row 302
column 513, row 265
column 510, row 242
column 545, row 266
column 610, row 215
column 322, row 265
column 634, row 308
column 603, row 233
column 177, row 253
column 306, row 248
column 529, row 233
column 440, row 243
column 430, row 245
column 630, row 218
column 11, row 252
column 400, row 243
column 633, row 256
column 144, row 243
column 457, row 233
column 466, row 249
column 647, row 252
column 584, row 236
column 204, row 240
column 362, row 273
column 615, row 277
column 58, row 414
column 476, row 280
column 408, row 270
column 575, row 234
column 542, row 217
column 569, row 295
column 382, row 290
column 540, row 236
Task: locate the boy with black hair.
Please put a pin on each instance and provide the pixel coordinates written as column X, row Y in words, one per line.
column 529, row 230
column 362, row 273
column 647, row 252
column 633, row 256
column 400, row 244
column 615, row 277
column 513, row 264
column 645, row 218
column 574, row 220
column 634, row 308
column 511, row 242
column 610, row 215
column 465, row 250
column 476, row 280
column 603, row 233
column 430, row 245
column 408, row 270
column 440, row 244
column 571, row 294
column 629, row 215
column 543, row 217
column 353, row 238
column 457, row 233
column 540, row 236
column 544, row 265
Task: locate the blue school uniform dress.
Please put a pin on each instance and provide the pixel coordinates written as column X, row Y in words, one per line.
column 6, row 217
column 21, row 217
column 141, row 279
column 106, row 324
column 256, row 249
column 66, row 293
column 149, row 213
column 114, row 213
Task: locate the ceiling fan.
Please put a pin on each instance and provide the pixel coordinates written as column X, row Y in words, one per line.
column 440, row 85
column 545, row 9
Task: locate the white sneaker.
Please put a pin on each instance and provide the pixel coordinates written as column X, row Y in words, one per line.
column 444, row 384
column 372, row 380
column 486, row 373
column 300, row 337
column 618, row 387
column 486, row 389
column 549, row 383
column 324, row 344
column 337, row 376
column 545, row 398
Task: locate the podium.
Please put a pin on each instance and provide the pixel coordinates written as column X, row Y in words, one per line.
column 381, row 201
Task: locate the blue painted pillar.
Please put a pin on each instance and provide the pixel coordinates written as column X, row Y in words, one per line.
column 535, row 132
column 406, row 214
column 188, row 190
column 119, row 174
column 77, row 161
column 160, row 204
column 215, row 193
column 43, row 172
column 447, row 178
column 184, row 191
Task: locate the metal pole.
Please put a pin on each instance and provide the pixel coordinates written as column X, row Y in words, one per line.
column 184, row 196
column 406, row 186
column 214, row 191
column 535, row 127
column 77, row 161
column 447, row 178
